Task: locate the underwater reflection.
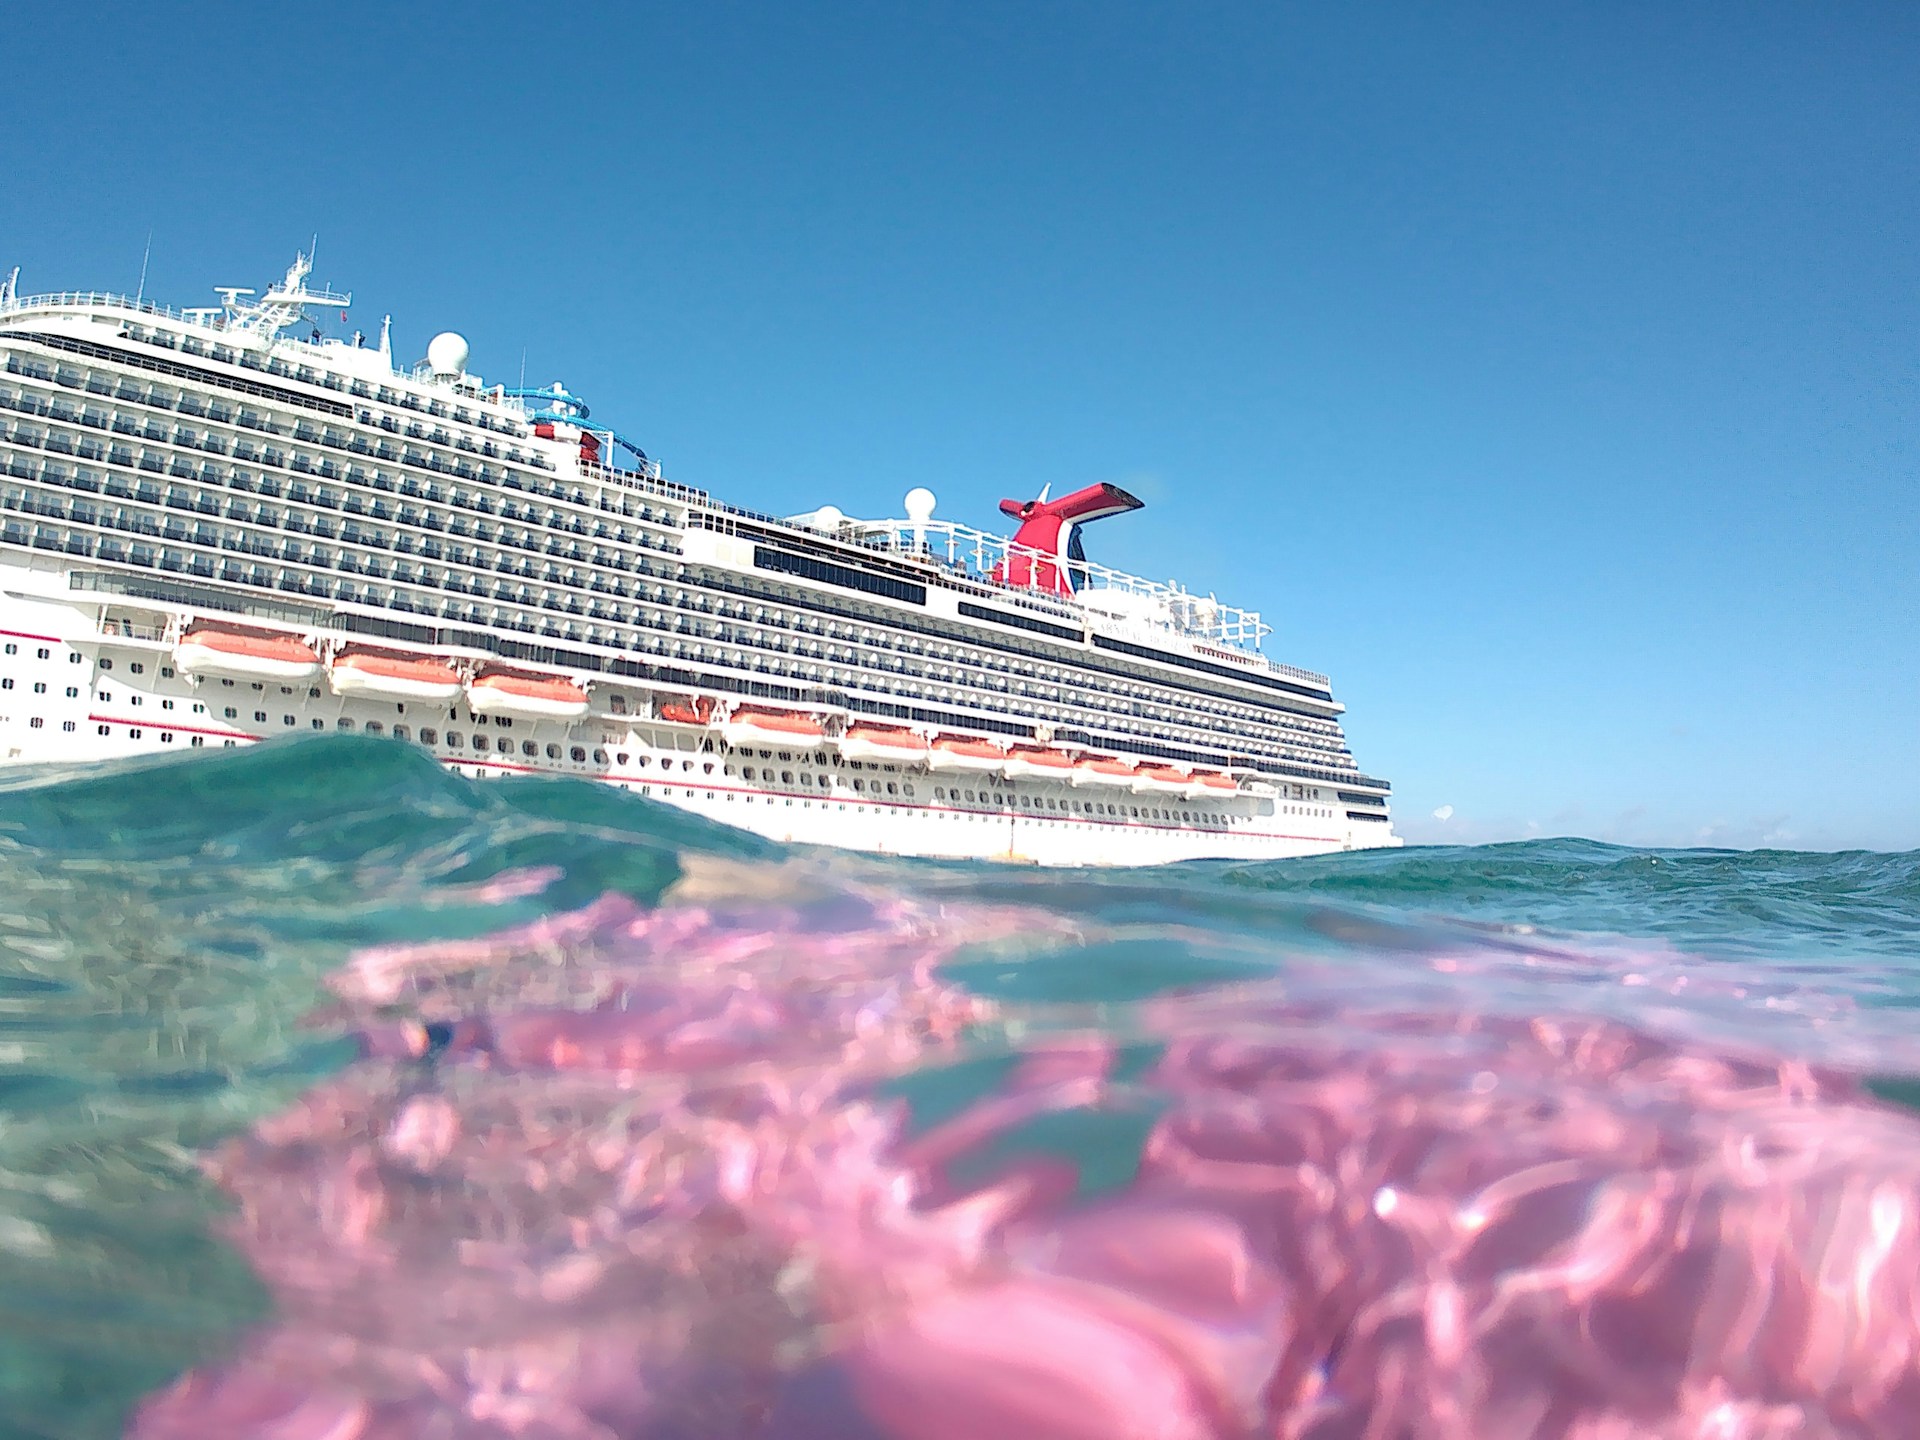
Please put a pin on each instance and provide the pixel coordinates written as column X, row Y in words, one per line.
column 758, row 1162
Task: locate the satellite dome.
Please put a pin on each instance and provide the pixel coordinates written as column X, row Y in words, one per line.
column 919, row 504
column 447, row 354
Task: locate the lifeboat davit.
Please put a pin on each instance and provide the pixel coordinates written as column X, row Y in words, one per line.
column 532, row 696
column 957, row 752
column 1036, row 762
column 1260, row 789
column 1160, row 780
column 771, row 727
column 890, row 744
column 209, row 651
column 395, row 677
column 1211, row 784
column 690, row 710
column 1104, row 770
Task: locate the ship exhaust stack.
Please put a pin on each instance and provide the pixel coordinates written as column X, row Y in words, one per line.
column 1047, row 544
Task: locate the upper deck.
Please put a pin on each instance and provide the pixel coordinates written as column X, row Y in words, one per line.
column 248, row 335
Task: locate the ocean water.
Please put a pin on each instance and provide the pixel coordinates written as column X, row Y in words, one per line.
column 342, row 1097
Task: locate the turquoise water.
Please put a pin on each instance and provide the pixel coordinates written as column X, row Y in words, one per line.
column 172, row 933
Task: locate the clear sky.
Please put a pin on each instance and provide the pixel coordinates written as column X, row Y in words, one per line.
column 1545, row 373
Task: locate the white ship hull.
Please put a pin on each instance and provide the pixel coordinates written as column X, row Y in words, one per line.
column 81, row 695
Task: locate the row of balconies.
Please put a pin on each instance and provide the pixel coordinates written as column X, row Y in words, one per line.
column 208, row 535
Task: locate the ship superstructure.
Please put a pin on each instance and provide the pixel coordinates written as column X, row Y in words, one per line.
column 214, row 532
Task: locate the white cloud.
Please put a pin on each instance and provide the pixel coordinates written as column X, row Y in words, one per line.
column 1445, row 812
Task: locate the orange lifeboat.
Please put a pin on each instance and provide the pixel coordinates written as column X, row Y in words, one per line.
column 1036, row 762
column 394, row 677
column 891, row 744
column 689, row 710
column 533, row 696
column 1160, row 780
column 959, row 752
column 1103, row 770
column 790, row 728
column 1212, row 784
column 207, row 650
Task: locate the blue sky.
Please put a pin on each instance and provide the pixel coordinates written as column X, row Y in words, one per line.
column 1546, row 374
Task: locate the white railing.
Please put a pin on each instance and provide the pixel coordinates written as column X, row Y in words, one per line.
column 74, row 299
column 997, row 560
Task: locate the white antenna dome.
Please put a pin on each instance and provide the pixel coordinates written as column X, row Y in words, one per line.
column 919, row 504
column 447, row 354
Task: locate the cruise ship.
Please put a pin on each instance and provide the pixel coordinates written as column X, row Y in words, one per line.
column 223, row 525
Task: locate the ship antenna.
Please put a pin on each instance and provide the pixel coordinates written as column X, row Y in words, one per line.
column 386, row 338
column 145, row 256
column 10, row 287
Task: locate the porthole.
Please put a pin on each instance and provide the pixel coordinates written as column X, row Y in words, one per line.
column 600, row 758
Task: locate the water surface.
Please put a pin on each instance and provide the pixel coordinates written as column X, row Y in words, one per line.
column 346, row 1097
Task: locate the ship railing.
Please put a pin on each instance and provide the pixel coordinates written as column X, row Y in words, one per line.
column 966, row 556
column 1158, row 605
column 651, row 483
column 95, row 299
